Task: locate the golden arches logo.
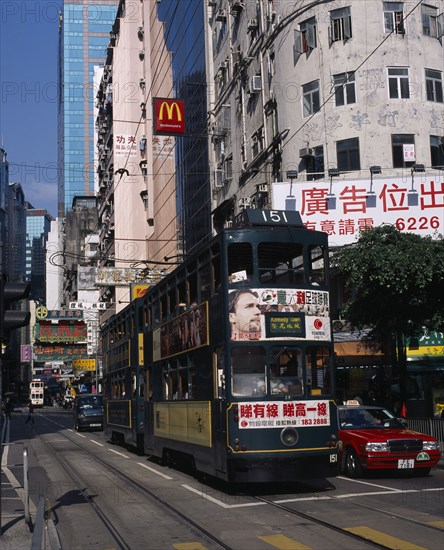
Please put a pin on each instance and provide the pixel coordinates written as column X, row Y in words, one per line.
column 169, row 110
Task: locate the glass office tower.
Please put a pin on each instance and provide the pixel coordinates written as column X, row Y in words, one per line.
column 83, row 39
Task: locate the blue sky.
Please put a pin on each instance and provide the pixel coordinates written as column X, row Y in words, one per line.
column 28, row 99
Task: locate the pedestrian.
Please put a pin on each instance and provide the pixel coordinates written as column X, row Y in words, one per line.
column 30, row 413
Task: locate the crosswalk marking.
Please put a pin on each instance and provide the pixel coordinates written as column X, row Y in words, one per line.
column 385, row 540
column 284, row 543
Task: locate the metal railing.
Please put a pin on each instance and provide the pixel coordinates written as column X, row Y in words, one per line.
column 430, row 426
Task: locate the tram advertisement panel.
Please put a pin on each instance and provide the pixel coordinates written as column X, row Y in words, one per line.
column 186, row 332
column 280, row 414
column 263, row 314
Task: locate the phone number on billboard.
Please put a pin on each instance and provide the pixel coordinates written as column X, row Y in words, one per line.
column 415, row 224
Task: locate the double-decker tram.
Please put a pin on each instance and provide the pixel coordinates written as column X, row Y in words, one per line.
column 36, row 392
column 227, row 362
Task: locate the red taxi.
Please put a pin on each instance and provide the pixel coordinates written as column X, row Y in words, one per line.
column 372, row 438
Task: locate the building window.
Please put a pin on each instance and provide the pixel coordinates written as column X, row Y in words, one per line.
column 347, row 152
column 394, row 17
column 432, row 23
column 314, row 164
column 403, row 145
column 257, row 142
column 345, row 90
column 311, row 98
column 305, row 38
column 340, row 28
column 398, row 80
column 437, row 151
column 434, row 85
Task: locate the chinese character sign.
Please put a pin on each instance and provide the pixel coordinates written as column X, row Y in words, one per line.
column 125, row 146
column 414, row 204
column 280, row 414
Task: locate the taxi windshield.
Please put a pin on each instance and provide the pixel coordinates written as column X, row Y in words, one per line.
column 367, row 418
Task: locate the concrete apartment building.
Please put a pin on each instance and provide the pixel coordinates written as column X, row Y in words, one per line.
column 137, row 192
column 309, row 95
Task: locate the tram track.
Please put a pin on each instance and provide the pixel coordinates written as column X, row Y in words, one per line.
column 150, row 495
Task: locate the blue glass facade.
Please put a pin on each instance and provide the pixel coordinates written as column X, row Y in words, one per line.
column 184, row 37
column 84, row 37
column 38, row 225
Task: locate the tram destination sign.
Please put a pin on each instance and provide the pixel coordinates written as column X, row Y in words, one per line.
column 282, row 324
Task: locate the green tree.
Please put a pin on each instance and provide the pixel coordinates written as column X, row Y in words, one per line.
column 396, row 283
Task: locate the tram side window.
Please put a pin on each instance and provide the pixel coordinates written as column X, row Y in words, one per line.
column 248, row 371
column 240, row 262
column 281, row 263
column 317, row 266
column 319, row 370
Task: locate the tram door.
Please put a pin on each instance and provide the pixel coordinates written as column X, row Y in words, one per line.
column 219, row 411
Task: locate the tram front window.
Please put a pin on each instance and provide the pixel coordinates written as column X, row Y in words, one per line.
column 286, row 371
column 248, row 371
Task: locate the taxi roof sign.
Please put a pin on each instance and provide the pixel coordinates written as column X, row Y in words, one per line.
column 352, row 403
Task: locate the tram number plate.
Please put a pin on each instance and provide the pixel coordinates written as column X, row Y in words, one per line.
column 95, row 425
column 406, row 463
column 333, row 458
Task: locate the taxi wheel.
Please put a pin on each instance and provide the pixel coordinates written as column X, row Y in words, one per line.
column 352, row 465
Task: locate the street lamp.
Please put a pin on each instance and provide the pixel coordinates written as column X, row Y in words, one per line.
column 412, row 196
column 371, row 196
column 331, row 199
column 290, row 201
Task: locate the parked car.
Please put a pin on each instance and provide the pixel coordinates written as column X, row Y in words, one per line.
column 88, row 411
column 372, row 438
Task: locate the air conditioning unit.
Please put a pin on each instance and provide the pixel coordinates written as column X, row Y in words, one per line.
column 237, row 57
column 236, row 6
column 212, row 3
column 305, row 152
column 255, row 84
column 252, row 24
column 244, row 202
column 223, row 65
column 140, row 32
column 141, row 54
column 221, row 16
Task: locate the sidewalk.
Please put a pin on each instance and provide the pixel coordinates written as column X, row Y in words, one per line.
column 17, row 533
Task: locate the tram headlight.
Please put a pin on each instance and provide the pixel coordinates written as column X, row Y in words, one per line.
column 430, row 446
column 289, row 437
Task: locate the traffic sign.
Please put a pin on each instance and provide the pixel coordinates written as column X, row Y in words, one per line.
column 88, row 305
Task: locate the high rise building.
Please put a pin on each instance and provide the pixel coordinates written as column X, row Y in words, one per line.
column 38, row 224
column 83, row 39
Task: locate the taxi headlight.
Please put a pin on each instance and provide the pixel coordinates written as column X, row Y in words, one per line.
column 430, row 446
column 376, row 447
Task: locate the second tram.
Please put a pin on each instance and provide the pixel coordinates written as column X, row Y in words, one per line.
column 227, row 362
column 36, row 392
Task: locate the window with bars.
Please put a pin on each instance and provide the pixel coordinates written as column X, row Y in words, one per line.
column 434, row 85
column 345, row 88
column 398, row 82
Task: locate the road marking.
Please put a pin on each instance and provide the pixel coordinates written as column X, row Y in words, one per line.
column 219, row 502
column 367, row 483
column 385, row 540
column 97, row 443
column 80, row 435
column 284, row 543
column 117, row 453
column 436, row 523
column 154, row 471
column 189, row 546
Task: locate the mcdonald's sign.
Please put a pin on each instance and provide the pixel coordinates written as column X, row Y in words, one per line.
column 169, row 116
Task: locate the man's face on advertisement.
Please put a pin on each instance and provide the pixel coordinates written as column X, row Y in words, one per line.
column 246, row 316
